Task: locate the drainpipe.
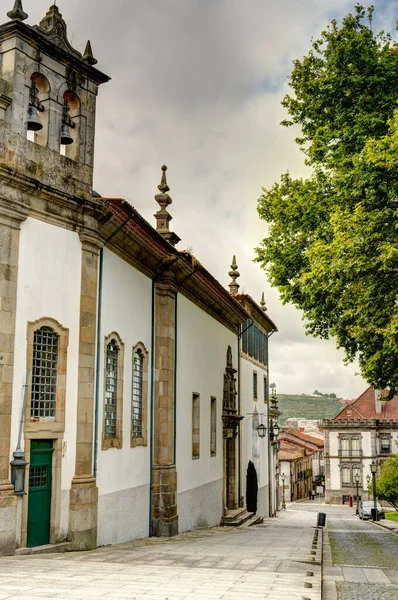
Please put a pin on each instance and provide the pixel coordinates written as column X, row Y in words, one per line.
column 240, row 334
column 175, row 361
column 269, row 438
column 175, row 380
column 239, row 432
column 99, row 316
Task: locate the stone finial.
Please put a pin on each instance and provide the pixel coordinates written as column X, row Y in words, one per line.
column 163, row 217
column 234, row 274
column 17, row 13
column 88, row 56
column 262, row 303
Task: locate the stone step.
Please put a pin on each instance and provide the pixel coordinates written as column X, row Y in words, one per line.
column 238, row 519
column 254, row 520
column 46, row 549
column 233, row 515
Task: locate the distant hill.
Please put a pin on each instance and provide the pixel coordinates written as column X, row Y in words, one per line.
column 307, row 407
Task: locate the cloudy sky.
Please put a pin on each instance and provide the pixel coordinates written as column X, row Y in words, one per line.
column 197, row 84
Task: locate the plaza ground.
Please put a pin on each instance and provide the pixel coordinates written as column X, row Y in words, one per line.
column 276, row 560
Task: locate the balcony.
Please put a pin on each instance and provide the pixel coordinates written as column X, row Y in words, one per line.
column 350, row 452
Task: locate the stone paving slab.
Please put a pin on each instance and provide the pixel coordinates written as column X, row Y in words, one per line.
column 256, row 563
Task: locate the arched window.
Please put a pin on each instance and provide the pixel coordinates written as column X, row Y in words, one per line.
column 346, row 475
column 71, row 125
column 112, row 435
column 44, row 373
column 39, row 108
column 139, row 396
column 356, row 470
column 111, row 385
column 138, row 375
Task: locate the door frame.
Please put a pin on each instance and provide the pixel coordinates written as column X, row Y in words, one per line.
column 55, row 505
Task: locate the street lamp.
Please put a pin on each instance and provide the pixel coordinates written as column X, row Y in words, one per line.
column 357, row 484
column 275, row 430
column 373, row 469
column 261, row 430
column 283, row 477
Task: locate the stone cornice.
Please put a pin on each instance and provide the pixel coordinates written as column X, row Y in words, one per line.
column 360, row 424
column 256, row 313
column 39, row 40
column 13, row 215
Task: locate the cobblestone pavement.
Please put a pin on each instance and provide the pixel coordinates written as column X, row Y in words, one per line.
column 361, row 562
column 273, row 561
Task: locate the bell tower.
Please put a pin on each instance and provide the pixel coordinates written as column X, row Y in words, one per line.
column 47, row 100
column 48, row 96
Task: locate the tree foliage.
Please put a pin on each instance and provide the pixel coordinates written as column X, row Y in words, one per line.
column 331, row 248
column 387, row 481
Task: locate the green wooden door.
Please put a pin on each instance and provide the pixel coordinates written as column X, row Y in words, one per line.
column 39, row 499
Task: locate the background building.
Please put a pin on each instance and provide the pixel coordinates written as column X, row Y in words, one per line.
column 364, row 431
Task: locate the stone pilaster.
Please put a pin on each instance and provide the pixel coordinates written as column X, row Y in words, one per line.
column 84, row 492
column 9, row 251
column 164, row 491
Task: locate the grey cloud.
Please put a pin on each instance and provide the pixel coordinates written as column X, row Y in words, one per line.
column 197, row 84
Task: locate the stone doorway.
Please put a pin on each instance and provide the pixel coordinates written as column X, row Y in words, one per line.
column 231, row 421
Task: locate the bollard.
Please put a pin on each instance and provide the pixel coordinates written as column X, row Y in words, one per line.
column 321, row 519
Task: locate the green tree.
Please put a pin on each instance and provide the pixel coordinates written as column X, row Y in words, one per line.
column 331, row 248
column 387, row 481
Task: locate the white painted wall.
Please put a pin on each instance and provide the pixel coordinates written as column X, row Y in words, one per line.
column 202, row 344
column 123, row 473
column 254, row 412
column 49, row 286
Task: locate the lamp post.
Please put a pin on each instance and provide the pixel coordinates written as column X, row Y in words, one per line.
column 373, row 469
column 357, row 484
column 283, row 476
column 367, row 484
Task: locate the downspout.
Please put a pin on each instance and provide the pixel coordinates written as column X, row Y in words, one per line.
column 239, row 431
column 98, row 350
column 152, row 403
column 175, row 380
column 175, row 361
column 240, row 334
column 269, row 436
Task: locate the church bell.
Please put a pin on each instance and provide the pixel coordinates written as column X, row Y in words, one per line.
column 66, row 138
column 33, row 122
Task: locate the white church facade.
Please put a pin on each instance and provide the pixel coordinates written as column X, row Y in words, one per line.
column 130, row 394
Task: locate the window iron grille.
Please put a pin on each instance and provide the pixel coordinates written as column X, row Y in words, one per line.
column 112, row 356
column 138, row 371
column 44, row 373
column 37, row 477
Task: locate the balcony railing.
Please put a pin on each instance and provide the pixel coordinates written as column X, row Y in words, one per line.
column 350, row 452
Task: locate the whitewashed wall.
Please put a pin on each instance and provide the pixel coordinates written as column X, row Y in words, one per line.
column 124, row 474
column 202, row 344
column 49, row 286
column 254, row 448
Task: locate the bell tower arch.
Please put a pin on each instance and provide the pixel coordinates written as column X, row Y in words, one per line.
column 48, row 89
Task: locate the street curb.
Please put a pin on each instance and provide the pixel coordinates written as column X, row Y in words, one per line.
column 329, row 589
column 378, row 524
